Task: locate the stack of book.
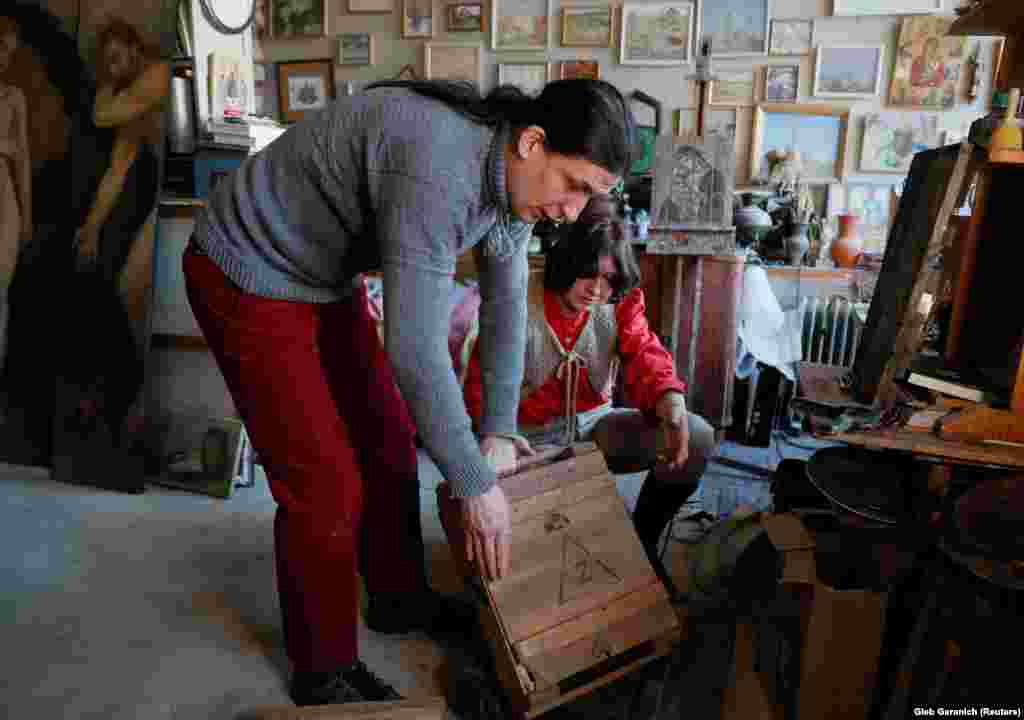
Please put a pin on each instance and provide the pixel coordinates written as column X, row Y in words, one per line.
column 235, row 134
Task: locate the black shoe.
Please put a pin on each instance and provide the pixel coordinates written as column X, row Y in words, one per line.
column 428, row 611
column 353, row 684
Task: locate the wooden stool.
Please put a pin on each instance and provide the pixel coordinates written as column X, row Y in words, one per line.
column 581, row 605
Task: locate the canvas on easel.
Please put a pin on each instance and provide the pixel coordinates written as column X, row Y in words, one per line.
column 907, row 284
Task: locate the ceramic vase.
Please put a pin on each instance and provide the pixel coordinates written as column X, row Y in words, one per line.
column 797, row 244
column 752, row 223
column 849, row 243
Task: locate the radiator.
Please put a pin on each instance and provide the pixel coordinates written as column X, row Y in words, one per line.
column 831, row 331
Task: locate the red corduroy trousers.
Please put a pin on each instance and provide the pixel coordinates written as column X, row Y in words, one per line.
column 316, row 392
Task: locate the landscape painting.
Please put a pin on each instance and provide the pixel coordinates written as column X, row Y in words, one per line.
column 892, row 139
column 736, row 27
column 733, row 87
column 656, row 34
column 519, row 24
column 586, row 26
column 848, row 71
column 791, row 37
column 819, row 138
column 781, row 83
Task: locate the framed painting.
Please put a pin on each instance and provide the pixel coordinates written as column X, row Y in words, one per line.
column 734, row 88
column 684, row 121
column 891, row 139
column 928, row 62
column 355, row 49
column 520, row 24
column 452, row 61
column 265, row 94
column 465, row 17
column 656, row 33
column 530, row 77
column 886, row 7
column 817, row 132
column 848, row 71
column 305, row 86
column 791, row 37
column 298, row 18
column 720, row 120
column 736, row 28
column 417, row 18
column 579, row 69
column 371, row 7
column 586, row 26
column 73, row 375
column 781, row 83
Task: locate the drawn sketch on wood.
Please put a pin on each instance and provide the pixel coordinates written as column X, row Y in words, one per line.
column 693, row 181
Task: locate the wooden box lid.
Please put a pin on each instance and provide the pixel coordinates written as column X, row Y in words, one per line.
column 580, row 588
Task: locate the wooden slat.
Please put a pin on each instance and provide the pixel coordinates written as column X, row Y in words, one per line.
column 557, row 665
column 542, row 702
column 541, row 505
column 549, row 592
column 581, row 628
column 413, row 709
column 930, row 445
column 547, row 477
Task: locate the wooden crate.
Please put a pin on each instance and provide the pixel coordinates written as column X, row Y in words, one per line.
column 581, row 605
column 415, row 709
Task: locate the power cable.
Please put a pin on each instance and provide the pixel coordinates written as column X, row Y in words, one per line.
column 219, row 24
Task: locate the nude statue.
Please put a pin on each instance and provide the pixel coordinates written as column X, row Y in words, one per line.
column 15, row 175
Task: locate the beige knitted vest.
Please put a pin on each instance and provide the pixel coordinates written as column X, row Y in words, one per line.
column 596, row 349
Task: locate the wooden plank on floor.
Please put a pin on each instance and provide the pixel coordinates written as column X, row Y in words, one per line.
column 413, row 709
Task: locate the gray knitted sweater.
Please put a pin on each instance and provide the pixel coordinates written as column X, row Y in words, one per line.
column 392, row 180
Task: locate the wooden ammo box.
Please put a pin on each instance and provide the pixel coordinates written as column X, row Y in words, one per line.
column 581, row 605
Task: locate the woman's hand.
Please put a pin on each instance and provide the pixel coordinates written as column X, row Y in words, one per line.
column 671, row 410
column 503, row 452
column 487, row 521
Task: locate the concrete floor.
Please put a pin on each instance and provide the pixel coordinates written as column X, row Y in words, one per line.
column 163, row 605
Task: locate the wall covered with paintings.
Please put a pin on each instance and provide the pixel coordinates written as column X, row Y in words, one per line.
column 921, row 78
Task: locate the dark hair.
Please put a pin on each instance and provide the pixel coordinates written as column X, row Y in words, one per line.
column 581, row 118
column 579, row 247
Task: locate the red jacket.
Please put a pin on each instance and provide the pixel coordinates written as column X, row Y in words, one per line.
column 647, row 367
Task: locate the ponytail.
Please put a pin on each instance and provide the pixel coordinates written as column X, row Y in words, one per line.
column 587, row 119
column 504, row 104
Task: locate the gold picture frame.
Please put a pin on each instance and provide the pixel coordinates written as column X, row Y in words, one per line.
column 451, row 61
column 303, row 28
column 420, row 24
column 304, row 86
column 371, row 7
column 579, row 68
column 586, row 26
column 458, row 19
column 787, row 118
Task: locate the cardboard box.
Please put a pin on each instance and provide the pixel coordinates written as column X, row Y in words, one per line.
column 813, row 649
